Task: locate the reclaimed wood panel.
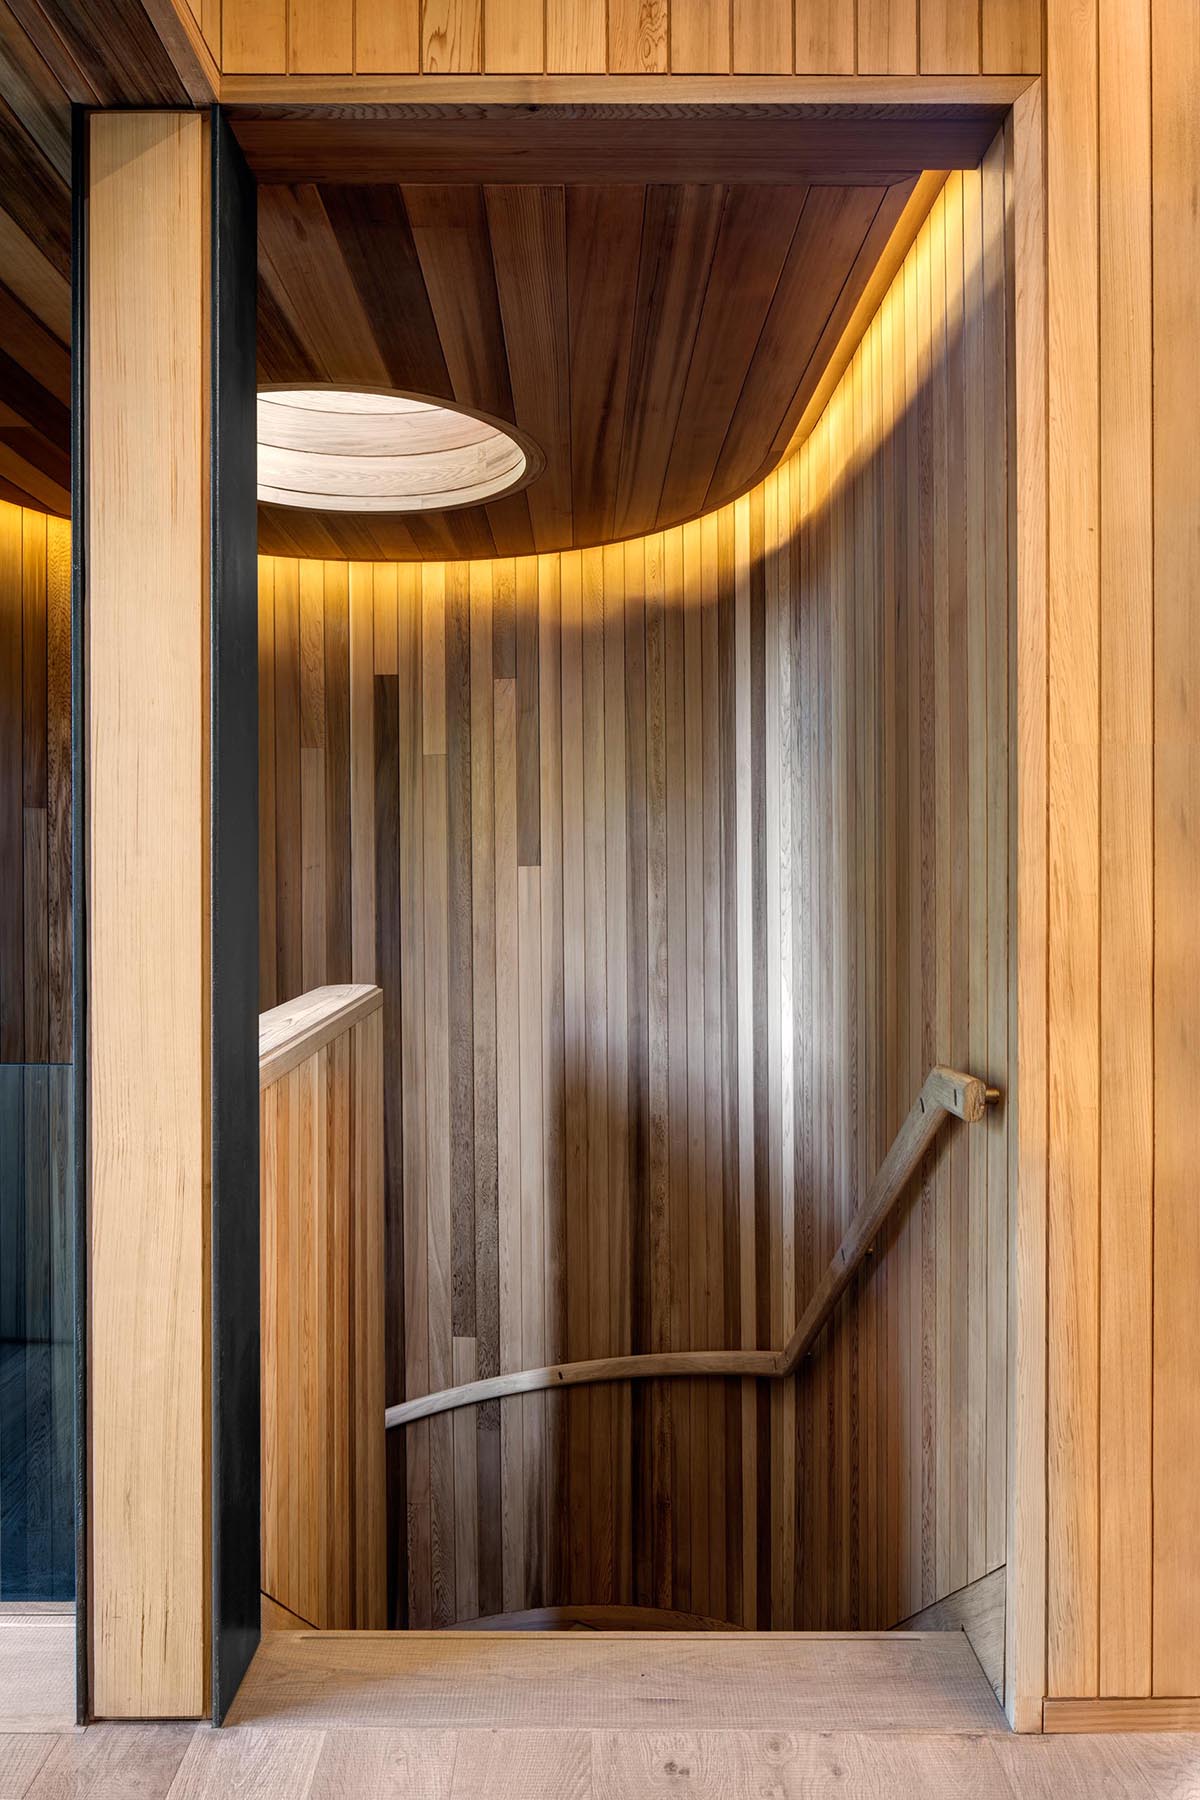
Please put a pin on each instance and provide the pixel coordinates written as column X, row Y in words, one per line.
column 645, row 966
column 324, row 1557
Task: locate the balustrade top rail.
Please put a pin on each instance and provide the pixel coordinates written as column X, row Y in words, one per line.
column 289, row 1034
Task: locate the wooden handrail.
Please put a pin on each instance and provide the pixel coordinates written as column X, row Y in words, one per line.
column 943, row 1093
column 289, row 1034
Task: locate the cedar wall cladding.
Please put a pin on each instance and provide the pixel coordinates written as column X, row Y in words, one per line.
column 35, row 787
column 679, row 863
column 628, row 37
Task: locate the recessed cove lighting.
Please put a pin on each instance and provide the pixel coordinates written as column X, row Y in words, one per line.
column 334, row 449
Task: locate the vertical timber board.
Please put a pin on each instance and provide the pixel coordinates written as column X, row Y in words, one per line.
column 171, row 912
column 1176, row 148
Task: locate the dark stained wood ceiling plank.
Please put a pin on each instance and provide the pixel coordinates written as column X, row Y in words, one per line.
column 827, row 240
column 612, row 144
column 450, row 231
column 756, row 233
column 301, row 261
column 604, row 229
column 679, row 236
column 528, row 229
column 41, row 288
column 879, row 235
column 42, row 356
column 34, row 193
column 114, row 55
column 34, row 92
column 372, row 228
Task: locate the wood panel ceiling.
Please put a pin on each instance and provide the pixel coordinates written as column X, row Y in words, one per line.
column 658, row 341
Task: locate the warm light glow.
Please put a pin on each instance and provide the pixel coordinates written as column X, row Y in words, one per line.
column 346, row 450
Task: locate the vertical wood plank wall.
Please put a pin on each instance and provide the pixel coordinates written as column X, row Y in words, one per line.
column 625, row 37
column 679, row 862
column 35, row 787
column 1122, row 1051
column 324, row 1531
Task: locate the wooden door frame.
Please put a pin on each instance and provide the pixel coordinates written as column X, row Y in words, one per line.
column 1026, row 1567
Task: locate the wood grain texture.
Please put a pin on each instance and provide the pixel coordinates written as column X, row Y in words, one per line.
column 618, row 725
column 595, row 316
column 714, row 37
column 977, row 1610
column 943, row 1092
column 322, row 1286
column 1176, row 852
column 148, row 1073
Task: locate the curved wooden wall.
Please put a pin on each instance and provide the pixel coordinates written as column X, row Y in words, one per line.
column 679, row 862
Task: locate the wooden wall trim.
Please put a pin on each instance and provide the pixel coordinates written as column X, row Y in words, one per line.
column 1144, row 1714
column 353, row 91
column 556, row 778
column 1025, row 1648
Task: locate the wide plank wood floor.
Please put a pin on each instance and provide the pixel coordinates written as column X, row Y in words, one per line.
column 567, row 1716
column 280, row 1762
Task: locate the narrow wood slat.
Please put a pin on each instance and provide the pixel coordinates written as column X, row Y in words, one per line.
column 1074, row 945
column 1126, row 824
column 1176, row 867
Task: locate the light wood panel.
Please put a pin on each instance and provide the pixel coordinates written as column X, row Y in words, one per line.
column 1176, row 652
column 683, row 36
column 322, row 1286
column 35, row 787
column 1122, row 782
column 148, row 1076
column 650, row 1147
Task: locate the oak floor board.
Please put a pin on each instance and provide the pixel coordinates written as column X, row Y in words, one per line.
column 255, row 1763
column 21, row 1756
column 1132, row 1767
column 522, row 1765
column 571, row 1762
column 113, row 1762
column 682, row 1681
column 384, row 1765
column 745, row 1765
column 37, row 1673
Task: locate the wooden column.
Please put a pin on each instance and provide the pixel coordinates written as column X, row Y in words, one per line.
column 167, row 506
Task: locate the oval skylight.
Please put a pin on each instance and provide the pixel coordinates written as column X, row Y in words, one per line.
column 345, row 450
